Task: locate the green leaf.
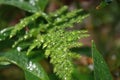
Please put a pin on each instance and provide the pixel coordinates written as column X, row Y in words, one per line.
column 33, row 70
column 30, row 5
column 29, row 76
column 20, row 4
column 101, row 70
column 41, row 4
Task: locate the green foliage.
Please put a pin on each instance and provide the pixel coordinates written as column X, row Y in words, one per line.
column 52, row 37
column 24, row 23
column 31, row 67
column 101, row 71
column 48, row 32
column 29, row 5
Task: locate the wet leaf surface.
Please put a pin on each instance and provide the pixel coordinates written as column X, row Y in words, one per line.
column 33, row 70
column 5, row 33
column 101, row 70
column 30, row 5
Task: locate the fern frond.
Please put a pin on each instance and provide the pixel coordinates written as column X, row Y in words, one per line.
column 58, row 50
column 52, row 36
column 32, row 33
column 59, row 12
column 36, row 43
column 23, row 23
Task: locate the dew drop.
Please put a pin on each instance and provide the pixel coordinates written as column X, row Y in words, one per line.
column 53, row 43
column 36, row 40
column 56, row 15
column 42, row 40
column 2, row 31
column 25, row 37
column 32, row 2
column 31, row 66
column 45, row 45
column 11, row 36
column 65, row 78
column 21, row 22
column 91, row 67
column 19, row 49
column 0, row 39
column 58, row 19
column 66, row 68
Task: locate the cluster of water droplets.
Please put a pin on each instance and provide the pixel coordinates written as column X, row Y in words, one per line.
column 3, row 34
column 32, row 2
column 19, row 49
column 34, row 68
column 31, row 66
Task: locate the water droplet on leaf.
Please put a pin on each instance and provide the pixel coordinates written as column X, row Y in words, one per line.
column 19, row 49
